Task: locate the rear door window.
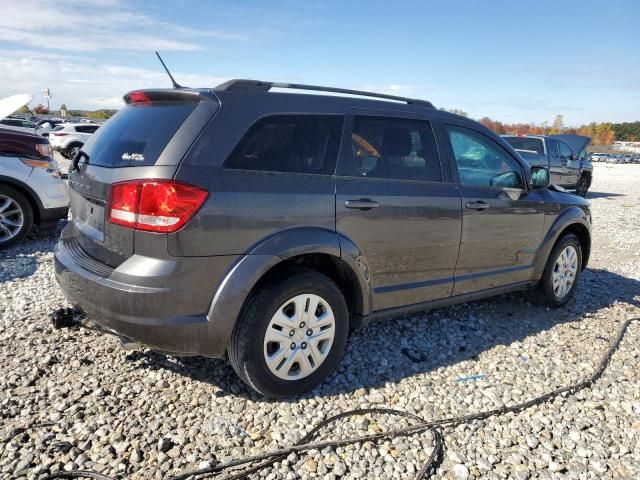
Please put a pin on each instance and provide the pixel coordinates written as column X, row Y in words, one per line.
column 396, row 148
column 137, row 134
column 289, row 143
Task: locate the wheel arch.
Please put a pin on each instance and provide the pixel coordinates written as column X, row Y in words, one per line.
column 313, row 248
column 573, row 220
column 29, row 194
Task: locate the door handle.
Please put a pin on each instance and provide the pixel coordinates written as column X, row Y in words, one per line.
column 479, row 205
column 361, row 204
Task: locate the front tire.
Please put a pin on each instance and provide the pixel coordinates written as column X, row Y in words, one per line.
column 291, row 335
column 16, row 216
column 561, row 273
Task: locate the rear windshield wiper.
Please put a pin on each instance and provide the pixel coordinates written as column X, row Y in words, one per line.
column 76, row 160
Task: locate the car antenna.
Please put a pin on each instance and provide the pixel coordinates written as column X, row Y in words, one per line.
column 175, row 84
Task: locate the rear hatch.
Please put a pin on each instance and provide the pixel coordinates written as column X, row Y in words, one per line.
column 147, row 139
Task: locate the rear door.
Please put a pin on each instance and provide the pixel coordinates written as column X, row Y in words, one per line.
column 145, row 139
column 396, row 202
column 502, row 221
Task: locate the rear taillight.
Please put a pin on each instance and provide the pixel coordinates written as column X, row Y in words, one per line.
column 154, row 205
column 44, row 149
column 58, row 134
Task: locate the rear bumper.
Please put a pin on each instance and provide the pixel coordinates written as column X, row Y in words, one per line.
column 50, row 216
column 161, row 303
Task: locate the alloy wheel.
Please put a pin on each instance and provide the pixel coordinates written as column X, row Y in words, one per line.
column 11, row 218
column 299, row 337
column 564, row 271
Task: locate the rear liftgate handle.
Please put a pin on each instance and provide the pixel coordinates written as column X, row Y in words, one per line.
column 361, row 204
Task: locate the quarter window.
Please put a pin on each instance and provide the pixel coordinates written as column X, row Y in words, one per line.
column 482, row 162
column 290, row 143
column 393, row 148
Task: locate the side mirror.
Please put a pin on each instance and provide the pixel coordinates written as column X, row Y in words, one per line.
column 539, row 177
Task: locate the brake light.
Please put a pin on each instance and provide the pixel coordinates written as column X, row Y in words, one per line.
column 58, row 134
column 138, row 97
column 154, row 205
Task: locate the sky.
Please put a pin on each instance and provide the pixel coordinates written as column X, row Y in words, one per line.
column 513, row 61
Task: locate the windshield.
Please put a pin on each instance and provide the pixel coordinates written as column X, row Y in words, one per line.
column 527, row 143
column 137, row 134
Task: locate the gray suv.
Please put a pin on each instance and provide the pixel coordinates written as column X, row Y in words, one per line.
column 266, row 225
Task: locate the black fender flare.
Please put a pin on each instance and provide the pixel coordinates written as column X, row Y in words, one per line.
column 571, row 216
column 244, row 274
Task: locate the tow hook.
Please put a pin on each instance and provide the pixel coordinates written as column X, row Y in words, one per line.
column 66, row 317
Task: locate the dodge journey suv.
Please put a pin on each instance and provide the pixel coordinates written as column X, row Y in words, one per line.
column 266, row 225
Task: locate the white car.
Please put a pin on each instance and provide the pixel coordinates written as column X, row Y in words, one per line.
column 32, row 189
column 21, row 125
column 69, row 138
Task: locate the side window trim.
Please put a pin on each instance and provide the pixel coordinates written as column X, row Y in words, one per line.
column 345, row 153
column 454, row 164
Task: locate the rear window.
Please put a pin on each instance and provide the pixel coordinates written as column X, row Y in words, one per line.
column 290, row 143
column 526, row 143
column 137, row 134
column 86, row 128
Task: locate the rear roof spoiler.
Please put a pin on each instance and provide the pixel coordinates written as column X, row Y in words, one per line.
column 162, row 95
column 258, row 86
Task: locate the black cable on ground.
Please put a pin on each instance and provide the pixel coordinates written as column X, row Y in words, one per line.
column 433, row 427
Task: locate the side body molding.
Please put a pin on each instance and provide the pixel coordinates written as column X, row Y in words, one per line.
column 245, row 273
column 570, row 216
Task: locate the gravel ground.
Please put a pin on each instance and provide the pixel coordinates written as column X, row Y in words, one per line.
column 86, row 403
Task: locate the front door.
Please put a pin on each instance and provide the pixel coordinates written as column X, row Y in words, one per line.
column 398, row 205
column 502, row 221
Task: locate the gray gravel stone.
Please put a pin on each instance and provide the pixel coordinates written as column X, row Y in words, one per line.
column 83, row 402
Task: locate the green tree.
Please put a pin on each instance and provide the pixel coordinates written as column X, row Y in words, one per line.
column 558, row 125
column 456, row 111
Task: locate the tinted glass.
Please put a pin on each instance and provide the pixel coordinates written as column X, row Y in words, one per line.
column 553, row 148
column 86, row 128
column 289, row 143
column 396, row 148
column 137, row 134
column 526, row 143
column 481, row 161
column 565, row 150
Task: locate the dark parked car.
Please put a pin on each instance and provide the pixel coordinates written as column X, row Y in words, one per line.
column 565, row 155
column 265, row 225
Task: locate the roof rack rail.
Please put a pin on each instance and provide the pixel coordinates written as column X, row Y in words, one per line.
column 242, row 85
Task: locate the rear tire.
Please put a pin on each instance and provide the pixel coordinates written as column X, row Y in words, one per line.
column 281, row 345
column 583, row 186
column 561, row 274
column 72, row 150
column 16, row 216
